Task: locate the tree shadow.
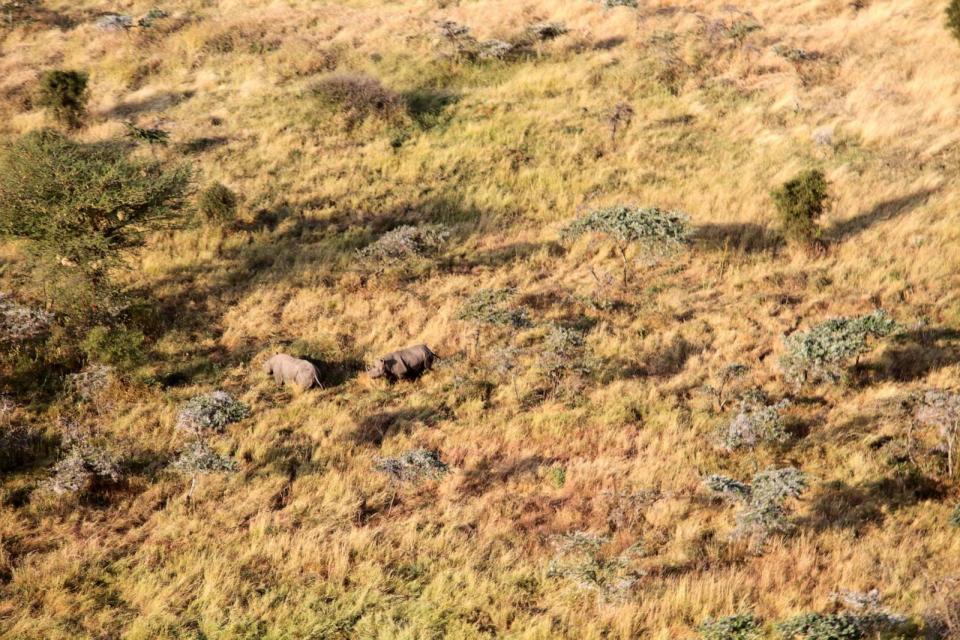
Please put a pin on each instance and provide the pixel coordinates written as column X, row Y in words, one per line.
column 334, row 373
column 263, row 220
column 745, row 237
column 838, row 505
column 500, row 256
column 373, row 429
column 916, row 354
column 487, row 472
column 607, row 44
column 199, row 145
column 881, row 212
column 157, row 102
column 426, row 106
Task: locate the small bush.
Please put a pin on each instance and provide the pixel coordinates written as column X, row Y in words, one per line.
column 412, row 465
column 19, row 323
column 150, row 136
column 65, row 94
column 823, row 353
column 955, row 517
column 210, row 413
column 658, row 232
column 84, row 466
column 581, row 559
column 19, row 443
column 941, row 410
column 953, row 18
column 756, row 422
column 620, row 118
column 609, row 4
column 114, row 346
column 197, row 457
column 563, row 353
column 818, row 626
column 742, row 626
column 723, row 380
column 87, row 384
column 800, row 202
column 358, row 97
column 489, row 308
column 546, row 30
column 765, row 512
column 150, row 18
column 217, row 203
column 404, row 243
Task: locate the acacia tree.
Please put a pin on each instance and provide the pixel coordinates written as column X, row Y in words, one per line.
column 656, row 231
column 489, row 308
column 824, row 352
column 83, row 205
column 765, row 511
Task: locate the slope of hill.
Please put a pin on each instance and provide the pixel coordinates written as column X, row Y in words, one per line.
column 567, row 510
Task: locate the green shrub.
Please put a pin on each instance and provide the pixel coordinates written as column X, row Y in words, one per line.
column 148, row 135
column 658, row 232
column 210, row 413
column 741, row 626
column 953, row 18
column 583, row 559
column 217, row 203
column 65, row 94
column 824, row 352
column 765, row 512
column 489, row 308
column 800, row 202
column 955, row 517
column 756, row 422
column 82, row 205
column 115, row 346
column 818, row 626
column 723, row 381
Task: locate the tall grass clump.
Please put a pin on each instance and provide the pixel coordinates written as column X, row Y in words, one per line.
column 64, row 93
column 358, row 97
column 800, row 202
column 217, row 203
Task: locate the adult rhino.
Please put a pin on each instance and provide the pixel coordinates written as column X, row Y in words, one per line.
column 406, row 363
column 286, row 369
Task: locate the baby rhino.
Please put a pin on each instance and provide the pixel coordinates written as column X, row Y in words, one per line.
column 287, row 369
column 405, row 363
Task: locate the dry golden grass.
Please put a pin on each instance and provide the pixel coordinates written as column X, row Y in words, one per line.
column 307, row 540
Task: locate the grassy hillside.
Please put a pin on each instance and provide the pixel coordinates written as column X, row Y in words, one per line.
column 308, row 539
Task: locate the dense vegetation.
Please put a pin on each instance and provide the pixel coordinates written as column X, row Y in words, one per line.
column 690, row 269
